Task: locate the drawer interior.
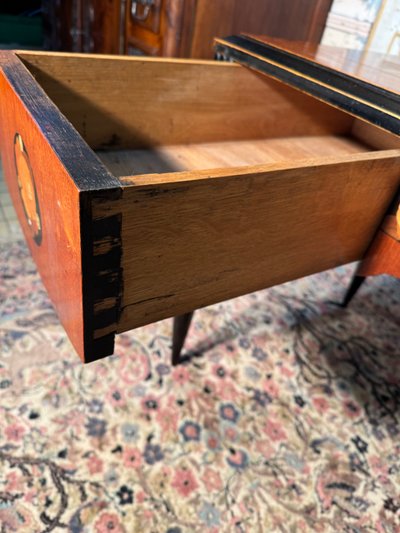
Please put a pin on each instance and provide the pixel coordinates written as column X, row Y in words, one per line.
column 148, row 116
column 218, row 154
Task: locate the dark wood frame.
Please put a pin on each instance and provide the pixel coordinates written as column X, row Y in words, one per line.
column 355, row 96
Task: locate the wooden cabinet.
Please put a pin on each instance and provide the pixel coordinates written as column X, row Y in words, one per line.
column 175, row 28
column 186, row 28
column 90, row 26
column 159, row 27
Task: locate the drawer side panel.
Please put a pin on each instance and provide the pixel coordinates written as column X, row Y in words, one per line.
column 196, row 241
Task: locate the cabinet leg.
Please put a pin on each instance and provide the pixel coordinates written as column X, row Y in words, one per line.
column 356, row 283
column 180, row 329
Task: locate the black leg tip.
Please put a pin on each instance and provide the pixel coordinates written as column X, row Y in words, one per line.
column 352, row 290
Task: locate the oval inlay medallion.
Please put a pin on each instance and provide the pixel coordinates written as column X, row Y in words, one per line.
column 27, row 189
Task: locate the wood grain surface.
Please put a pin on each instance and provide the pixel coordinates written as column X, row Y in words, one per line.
column 175, row 101
column 58, row 255
column 77, row 255
column 235, row 183
column 383, row 255
column 226, row 154
column 195, row 238
column 365, row 84
column 300, row 20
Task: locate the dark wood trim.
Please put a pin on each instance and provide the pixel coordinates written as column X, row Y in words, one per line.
column 307, row 76
column 82, row 164
column 302, row 65
column 358, row 87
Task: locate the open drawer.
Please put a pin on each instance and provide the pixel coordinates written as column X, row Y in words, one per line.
column 147, row 188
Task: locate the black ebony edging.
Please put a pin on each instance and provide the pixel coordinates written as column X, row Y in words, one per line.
column 344, row 102
column 82, row 164
column 342, row 81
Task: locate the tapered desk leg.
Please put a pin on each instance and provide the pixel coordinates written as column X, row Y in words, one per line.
column 180, row 329
column 356, row 283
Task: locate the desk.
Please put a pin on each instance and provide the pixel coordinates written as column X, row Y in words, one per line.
column 147, row 188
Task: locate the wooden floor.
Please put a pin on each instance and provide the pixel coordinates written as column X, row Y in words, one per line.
column 226, row 154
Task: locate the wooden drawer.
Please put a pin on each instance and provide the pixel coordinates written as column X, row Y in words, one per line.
column 147, row 187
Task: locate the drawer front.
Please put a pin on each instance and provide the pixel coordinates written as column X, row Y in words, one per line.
column 46, row 168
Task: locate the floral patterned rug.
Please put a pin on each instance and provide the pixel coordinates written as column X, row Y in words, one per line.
column 284, row 418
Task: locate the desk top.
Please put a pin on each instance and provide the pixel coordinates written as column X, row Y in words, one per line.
column 366, row 85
